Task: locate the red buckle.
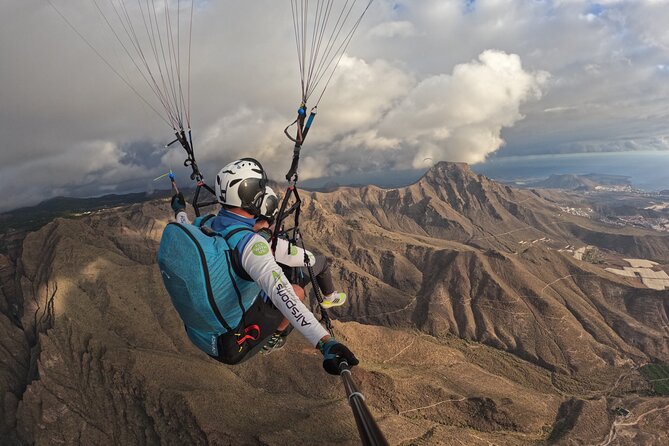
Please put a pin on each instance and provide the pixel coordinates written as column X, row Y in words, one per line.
column 247, row 336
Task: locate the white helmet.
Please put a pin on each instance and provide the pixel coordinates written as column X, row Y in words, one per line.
column 270, row 205
column 242, row 184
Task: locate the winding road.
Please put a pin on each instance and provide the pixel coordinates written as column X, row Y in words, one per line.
column 620, row 423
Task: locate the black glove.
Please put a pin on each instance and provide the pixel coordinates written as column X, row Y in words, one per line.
column 334, row 353
column 178, row 203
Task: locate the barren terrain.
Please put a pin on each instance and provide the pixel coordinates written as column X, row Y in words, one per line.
column 472, row 323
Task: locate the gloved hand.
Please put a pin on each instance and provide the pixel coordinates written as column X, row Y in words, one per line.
column 178, row 203
column 334, row 353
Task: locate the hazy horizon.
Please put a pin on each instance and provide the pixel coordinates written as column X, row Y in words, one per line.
column 645, row 171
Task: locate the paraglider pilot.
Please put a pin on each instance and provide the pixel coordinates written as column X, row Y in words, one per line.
column 246, row 297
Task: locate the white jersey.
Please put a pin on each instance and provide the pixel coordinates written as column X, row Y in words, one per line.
column 291, row 255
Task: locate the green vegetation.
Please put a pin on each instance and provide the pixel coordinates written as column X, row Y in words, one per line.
column 658, row 376
column 593, row 255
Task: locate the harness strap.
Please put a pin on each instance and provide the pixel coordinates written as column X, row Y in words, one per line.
column 234, row 232
column 205, row 219
column 233, row 264
column 234, row 285
column 235, row 258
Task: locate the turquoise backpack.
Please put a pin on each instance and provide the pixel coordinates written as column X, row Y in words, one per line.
column 204, row 278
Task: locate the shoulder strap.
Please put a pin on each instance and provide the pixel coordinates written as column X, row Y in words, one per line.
column 206, row 229
column 235, row 257
column 230, row 256
column 230, row 234
column 205, row 219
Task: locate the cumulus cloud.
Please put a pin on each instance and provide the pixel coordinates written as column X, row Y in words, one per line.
column 459, row 117
column 361, row 93
column 403, row 121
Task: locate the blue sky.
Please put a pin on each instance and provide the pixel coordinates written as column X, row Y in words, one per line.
column 448, row 80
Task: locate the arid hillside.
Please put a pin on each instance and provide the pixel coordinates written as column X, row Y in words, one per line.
column 473, row 324
column 459, row 254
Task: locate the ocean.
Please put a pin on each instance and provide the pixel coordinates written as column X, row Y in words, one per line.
column 645, row 170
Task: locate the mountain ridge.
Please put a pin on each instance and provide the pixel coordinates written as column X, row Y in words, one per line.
column 464, row 333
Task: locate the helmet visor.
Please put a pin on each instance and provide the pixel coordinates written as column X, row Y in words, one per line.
column 251, row 192
column 271, row 207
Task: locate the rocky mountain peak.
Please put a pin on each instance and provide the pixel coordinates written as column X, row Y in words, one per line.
column 456, row 187
column 449, row 171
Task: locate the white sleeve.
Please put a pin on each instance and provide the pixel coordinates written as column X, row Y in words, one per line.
column 260, row 265
column 291, row 255
column 182, row 218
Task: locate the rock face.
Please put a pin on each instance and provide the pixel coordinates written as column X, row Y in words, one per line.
column 14, row 350
column 464, row 334
column 444, row 255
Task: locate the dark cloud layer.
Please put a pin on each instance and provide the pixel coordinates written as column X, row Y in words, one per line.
column 424, row 79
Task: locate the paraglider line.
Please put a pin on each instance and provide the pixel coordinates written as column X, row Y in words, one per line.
column 109, row 65
column 190, row 46
column 334, row 37
column 132, row 37
column 345, row 44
